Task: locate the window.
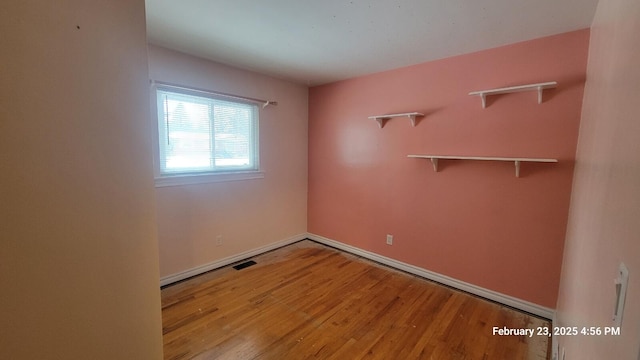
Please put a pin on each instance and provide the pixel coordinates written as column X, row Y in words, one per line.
column 203, row 138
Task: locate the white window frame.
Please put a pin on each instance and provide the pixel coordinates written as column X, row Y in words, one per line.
column 200, row 177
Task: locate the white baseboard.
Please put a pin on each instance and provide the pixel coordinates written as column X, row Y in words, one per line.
column 229, row 260
column 520, row 304
column 555, row 349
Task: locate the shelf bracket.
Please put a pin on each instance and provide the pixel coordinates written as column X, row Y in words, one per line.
column 381, row 122
column 412, row 117
column 434, row 162
column 539, row 94
column 517, row 164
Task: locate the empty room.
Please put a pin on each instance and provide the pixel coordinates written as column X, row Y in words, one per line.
column 407, row 179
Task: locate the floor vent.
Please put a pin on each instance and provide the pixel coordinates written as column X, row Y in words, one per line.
column 244, row 265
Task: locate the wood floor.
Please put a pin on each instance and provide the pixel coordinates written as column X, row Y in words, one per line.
column 308, row 301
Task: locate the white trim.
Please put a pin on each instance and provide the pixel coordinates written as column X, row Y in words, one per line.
column 520, row 304
column 554, row 338
column 229, row 260
column 193, row 179
column 215, row 173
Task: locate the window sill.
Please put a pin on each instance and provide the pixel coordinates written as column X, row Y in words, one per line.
column 179, row 180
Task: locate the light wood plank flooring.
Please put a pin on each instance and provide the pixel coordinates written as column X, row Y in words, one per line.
column 309, row 301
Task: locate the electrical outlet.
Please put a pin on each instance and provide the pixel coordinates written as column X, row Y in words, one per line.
column 219, row 240
column 389, row 239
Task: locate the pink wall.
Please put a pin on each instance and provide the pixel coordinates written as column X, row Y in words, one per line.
column 473, row 221
column 248, row 214
column 78, row 247
column 604, row 226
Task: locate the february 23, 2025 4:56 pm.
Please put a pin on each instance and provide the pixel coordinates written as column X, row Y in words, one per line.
column 557, row 331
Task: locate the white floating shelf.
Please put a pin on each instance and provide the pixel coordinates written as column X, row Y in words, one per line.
column 530, row 87
column 434, row 160
column 382, row 118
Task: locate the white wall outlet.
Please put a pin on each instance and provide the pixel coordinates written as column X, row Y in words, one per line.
column 389, row 239
column 219, row 240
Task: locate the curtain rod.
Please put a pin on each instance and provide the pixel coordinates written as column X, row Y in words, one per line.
column 264, row 103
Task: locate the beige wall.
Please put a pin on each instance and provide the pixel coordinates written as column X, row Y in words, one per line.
column 604, row 220
column 78, row 250
column 248, row 214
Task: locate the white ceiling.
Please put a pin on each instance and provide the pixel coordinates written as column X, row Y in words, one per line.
column 320, row 41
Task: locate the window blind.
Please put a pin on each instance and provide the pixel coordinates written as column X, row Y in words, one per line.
column 201, row 134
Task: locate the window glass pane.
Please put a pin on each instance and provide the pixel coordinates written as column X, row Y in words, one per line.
column 188, row 133
column 232, row 128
